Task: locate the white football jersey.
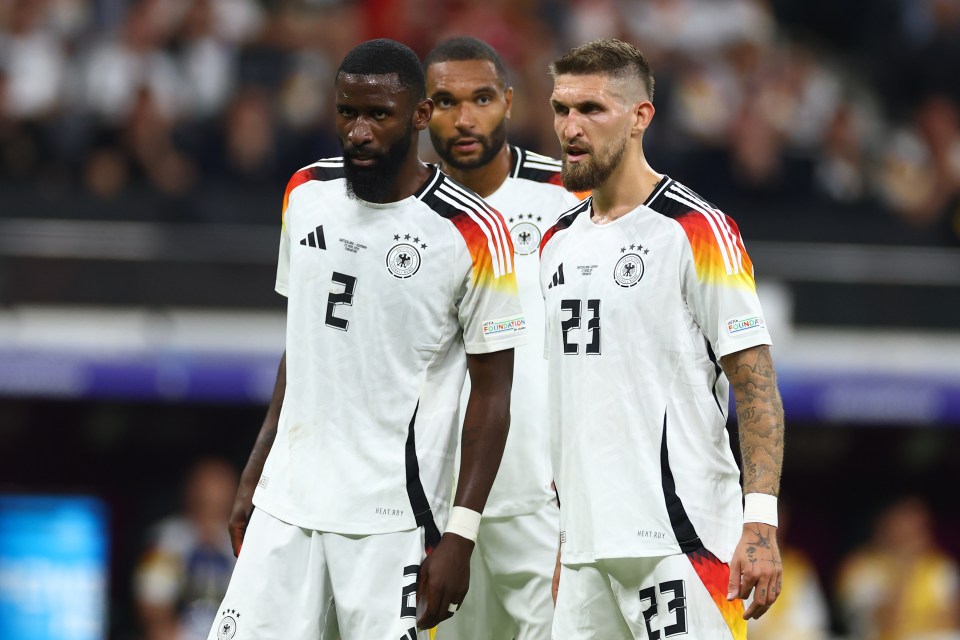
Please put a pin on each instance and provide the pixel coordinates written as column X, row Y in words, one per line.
column 530, row 200
column 638, row 314
column 384, row 301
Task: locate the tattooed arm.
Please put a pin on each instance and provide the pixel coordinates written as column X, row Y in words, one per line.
column 756, row 562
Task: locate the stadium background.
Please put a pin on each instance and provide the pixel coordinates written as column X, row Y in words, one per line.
column 144, row 146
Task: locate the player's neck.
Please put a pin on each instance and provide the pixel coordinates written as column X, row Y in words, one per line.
column 629, row 186
column 413, row 173
column 486, row 179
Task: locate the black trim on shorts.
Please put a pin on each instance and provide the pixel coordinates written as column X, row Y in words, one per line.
column 418, row 497
column 683, row 529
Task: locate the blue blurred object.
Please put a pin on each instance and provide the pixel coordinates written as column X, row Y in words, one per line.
column 53, row 568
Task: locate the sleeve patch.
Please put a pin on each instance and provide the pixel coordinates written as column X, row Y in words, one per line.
column 504, row 326
column 750, row 324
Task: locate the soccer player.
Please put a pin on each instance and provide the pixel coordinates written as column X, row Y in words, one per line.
column 512, row 567
column 398, row 280
column 652, row 314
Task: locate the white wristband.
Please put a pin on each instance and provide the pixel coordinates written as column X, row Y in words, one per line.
column 464, row 522
column 760, row 507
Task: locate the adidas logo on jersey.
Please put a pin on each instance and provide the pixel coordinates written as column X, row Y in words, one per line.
column 557, row 279
column 315, row 239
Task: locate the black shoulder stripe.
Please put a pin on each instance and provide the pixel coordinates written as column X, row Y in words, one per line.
column 326, row 169
column 535, row 167
column 435, row 198
column 564, row 221
column 673, row 199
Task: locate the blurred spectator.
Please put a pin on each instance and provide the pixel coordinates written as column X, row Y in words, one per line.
column 32, row 58
column 183, row 575
column 697, row 27
column 149, row 138
column 901, row 585
column 800, row 612
column 842, row 172
column 207, row 61
column 249, row 140
column 919, row 174
column 118, row 68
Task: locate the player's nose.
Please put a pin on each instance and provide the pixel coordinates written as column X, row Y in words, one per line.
column 571, row 130
column 361, row 133
column 465, row 118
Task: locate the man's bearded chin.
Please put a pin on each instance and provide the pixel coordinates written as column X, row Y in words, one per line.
column 491, row 146
column 590, row 174
column 374, row 183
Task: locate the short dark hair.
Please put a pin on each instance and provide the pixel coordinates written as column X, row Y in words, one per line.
column 607, row 55
column 463, row 48
column 384, row 56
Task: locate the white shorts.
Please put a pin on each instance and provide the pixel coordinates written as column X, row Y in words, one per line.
column 649, row 599
column 511, row 571
column 299, row 584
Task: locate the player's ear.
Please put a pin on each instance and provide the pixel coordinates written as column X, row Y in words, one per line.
column 508, row 100
column 422, row 114
column 642, row 115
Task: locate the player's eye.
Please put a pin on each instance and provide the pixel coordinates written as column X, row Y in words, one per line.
column 380, row 115
column 560, row 110
column 484, row 100
column 444, row 103
column 346, row 112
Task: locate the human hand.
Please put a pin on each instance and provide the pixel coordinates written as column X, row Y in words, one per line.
column 444, row 579
column 756, row 567
column 240, row 518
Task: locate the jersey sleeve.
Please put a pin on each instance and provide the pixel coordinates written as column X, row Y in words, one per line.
column 718, row 283
column 283, row 261
column 489, row 309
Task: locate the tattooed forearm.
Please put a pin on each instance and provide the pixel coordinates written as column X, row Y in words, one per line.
column 760, row 416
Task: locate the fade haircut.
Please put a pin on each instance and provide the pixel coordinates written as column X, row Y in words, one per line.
column 384, row 56
column 608, row 56
column 465, row 48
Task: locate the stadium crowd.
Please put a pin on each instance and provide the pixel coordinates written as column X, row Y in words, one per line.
column 198, row 110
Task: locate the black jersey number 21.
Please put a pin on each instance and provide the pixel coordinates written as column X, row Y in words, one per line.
column 573, row 322
column 345, row 297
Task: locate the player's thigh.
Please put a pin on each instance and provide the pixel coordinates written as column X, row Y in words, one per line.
column 681, row 595
column 587, row 608
column 480, row 616
column 280, row 587
column 521, row 553
column 374, row 580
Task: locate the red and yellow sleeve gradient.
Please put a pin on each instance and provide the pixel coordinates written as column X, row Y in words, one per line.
column 718, row 250
column 297, row 179
column 491, row 250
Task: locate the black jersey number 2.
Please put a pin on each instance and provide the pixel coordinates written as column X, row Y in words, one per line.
column 345, row 297
column 573, row 322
